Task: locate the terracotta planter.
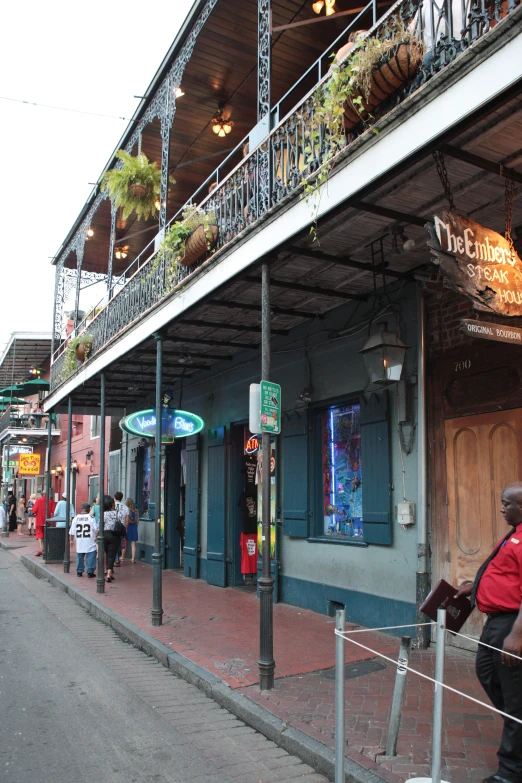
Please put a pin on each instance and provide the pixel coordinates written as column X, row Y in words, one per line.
column 137, row 190
column 398, row 67
column 198, row 243
column 82, row 351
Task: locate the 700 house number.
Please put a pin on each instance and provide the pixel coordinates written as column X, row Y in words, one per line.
column 463, row 364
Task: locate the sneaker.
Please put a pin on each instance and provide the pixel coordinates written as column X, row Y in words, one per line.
column 79, row 573
column 38, row 554
column 91, row 576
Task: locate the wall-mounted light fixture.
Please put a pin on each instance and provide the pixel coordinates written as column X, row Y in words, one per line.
column 178, row 92
column 59, row 470
column 383, row 354
column 74, row 466
column 89, row 233
column 89, row 455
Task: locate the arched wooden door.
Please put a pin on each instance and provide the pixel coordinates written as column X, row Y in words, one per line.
column 483, row 455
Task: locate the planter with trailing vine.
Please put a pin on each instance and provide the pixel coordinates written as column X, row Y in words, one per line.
column 188, row 239
column 394, row 69
column 201, row 240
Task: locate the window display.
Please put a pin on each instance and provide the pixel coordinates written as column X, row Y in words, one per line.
column 342, row 472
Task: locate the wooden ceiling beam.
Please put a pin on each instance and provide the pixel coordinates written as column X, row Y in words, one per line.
column 481, row 163
column 317, row 255
column 393, row 214
column 215, row 343
column 234, row 327
column 307, row 289
column 274, row 308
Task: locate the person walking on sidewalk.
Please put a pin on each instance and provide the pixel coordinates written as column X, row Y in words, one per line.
column 61, row 510
column 123, row 512
column 2, row 517
column 84, row 529
column 29, row 514
column 132, row 527
column 11, row 511
column 112, row 526
column 20, row 515
column 497, row 591
column 39, row 516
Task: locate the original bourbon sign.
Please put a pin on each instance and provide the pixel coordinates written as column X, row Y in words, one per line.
column 478, row 263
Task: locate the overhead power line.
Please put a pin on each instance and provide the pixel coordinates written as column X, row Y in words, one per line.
column 63, row 108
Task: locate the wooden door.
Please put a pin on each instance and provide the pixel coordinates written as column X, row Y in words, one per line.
column 483, row 455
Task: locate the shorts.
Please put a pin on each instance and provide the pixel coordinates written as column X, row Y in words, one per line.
column 31, row 522
column 20, row 520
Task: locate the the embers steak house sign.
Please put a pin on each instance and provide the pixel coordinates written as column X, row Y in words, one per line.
column 478, row 263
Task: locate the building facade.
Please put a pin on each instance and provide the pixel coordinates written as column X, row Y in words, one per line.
column 364, row 514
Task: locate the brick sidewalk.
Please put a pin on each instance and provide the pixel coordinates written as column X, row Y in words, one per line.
column 218, row 629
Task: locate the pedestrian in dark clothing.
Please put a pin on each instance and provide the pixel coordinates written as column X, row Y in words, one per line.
column 497, row 591
column 11, row 511
column 111, row 535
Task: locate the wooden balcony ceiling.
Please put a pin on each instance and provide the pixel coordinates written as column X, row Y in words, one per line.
column 305, row 286
column 23, row 354
column 222, row 70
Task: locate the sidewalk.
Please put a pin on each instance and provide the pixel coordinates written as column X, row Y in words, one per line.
column 218, row 629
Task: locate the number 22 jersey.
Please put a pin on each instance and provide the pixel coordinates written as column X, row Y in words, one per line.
column 84, row 529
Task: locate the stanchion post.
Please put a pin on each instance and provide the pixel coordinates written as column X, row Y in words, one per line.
column 340, row 620
column 436, row 761
column 398, row 694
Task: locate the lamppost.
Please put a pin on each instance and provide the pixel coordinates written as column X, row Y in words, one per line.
column 67, row 549
column 6, row 473
column 75, row 468
column 157, row 557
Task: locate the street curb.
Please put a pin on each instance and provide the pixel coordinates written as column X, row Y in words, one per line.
column 294, row 741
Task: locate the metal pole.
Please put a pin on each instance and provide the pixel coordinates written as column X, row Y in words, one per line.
column 266, row 661
column 157, row 557
column 438, row 699
column 67, row 550
column 6, row 529
column 340, row 620
column 421, row 641
column 48, row 466
column 398, row 693
column 100, row 576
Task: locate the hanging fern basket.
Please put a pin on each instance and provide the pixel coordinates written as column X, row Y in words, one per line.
column 198, row 243
column 138, row 191
column 397, row 67
column 82, row 351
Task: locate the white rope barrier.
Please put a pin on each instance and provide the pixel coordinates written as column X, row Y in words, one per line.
column 388, row 627
column 477, row 641
column 404, row 667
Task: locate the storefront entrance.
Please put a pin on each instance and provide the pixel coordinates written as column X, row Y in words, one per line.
column 483, row 455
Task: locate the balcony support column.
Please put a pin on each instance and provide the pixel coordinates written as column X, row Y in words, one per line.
column 167, row 118
column 80, row 247
column 48, row 465
column 59, row 297
column 264, row 69
column 5, row 532
column 67, row 549
column 266, row 661
column 112, row 243
column 100, row 568
column 157, row 557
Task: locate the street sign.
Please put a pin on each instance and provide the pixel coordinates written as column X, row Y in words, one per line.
column 8, row 475
column 270, row 407
column 490, row 331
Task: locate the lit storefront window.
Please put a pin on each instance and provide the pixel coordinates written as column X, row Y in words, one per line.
column 342, row 472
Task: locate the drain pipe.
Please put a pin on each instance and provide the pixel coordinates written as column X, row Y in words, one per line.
column 422, row 500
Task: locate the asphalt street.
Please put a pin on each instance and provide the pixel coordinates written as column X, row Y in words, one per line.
column 79, row 704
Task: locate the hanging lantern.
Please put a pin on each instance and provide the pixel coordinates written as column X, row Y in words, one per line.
column 384, row 355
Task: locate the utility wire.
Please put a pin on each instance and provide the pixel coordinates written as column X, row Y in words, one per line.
column 62, row 108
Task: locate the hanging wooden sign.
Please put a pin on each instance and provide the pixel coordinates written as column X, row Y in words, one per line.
column 490, row 331
column 478, row 263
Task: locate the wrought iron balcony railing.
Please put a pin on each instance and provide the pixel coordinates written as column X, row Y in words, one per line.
column 274, row 171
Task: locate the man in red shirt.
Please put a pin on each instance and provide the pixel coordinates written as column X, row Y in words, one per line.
column 39, row 513
column 497, row 591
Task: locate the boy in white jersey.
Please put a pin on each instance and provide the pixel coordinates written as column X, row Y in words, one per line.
column 84, row 529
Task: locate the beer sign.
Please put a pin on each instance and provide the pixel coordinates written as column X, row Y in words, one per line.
column 478, row 263
column 29, row 465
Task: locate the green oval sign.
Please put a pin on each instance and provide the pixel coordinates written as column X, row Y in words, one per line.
column 174, row 424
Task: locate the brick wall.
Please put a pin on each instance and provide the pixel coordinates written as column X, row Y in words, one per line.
column 445, row 310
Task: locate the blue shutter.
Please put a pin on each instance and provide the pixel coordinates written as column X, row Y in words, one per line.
column 295, row 474
column 191, row 546
column 216, row 516
column 375, row 461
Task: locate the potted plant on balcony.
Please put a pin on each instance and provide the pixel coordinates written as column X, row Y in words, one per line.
column 374, row 69
column 186, row 240
column 135, row 186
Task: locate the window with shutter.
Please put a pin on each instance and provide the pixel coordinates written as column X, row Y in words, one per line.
column 375, row 455
column 216, row 512
column 295, row 474
column 191, row 545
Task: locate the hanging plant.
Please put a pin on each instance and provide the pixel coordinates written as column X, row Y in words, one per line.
column 374, row 69
column 135, row 187
column 78, row 350
column 186, row 240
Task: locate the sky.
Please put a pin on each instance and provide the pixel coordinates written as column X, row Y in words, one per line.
column 92, row 57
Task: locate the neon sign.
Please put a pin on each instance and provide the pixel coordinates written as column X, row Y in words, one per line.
column 174, row 424
column 252, row 445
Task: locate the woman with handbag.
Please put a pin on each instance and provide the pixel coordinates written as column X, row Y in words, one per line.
column 113, row 530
